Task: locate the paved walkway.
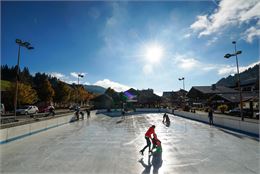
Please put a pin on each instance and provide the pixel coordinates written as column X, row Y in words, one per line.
column 228, row 116
column 109, row 145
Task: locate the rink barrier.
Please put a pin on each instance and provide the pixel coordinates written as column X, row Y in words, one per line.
column 249, row 128
column 18, row 132
column 244, row 127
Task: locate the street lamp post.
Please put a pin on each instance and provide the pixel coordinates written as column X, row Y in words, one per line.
column 238, row 78
column 183, row 82
column 29, row 47
column 182, row 79
column 79, row 75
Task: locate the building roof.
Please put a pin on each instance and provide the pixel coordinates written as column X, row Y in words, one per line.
column 247, row 82
column 235, row 97
column 212, row 90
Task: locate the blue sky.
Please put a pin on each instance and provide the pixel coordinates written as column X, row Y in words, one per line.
column 133, row 44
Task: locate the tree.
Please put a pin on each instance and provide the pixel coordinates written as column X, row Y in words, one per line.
column 115, row 96
column 43, row 87
column 62, row 92
column 26, row 95
column 45, row 91
column 223, row 108
column 25, row 76
column 8, row 73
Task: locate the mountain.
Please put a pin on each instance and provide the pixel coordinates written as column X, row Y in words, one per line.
column 95, row 89
column 250, row 75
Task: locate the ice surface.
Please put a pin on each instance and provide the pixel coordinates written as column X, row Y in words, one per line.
column 107, row 145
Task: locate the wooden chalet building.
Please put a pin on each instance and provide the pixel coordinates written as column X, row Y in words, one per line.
column 199, row 95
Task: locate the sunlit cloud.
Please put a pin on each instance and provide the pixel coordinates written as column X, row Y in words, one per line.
column 188, row 35
column 186, row 62
column 106, row 83
column 251, row 33
column 228, row 69
column 211, row 41
column 57, row 75
column 229, row 13
column 75, row 74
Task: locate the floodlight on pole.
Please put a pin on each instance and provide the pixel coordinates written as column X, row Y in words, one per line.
column 29, row 47
column 183, row 82
column 79, row 76
column 238, row 77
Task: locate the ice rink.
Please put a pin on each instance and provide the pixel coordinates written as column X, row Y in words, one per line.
column 104, row 144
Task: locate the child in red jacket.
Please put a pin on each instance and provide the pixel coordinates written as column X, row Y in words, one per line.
column 156, row 144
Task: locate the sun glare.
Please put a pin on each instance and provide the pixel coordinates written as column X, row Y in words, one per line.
column 153, row 53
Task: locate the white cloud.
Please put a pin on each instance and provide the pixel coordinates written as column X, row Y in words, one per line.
column 189, row 63
column 57, row 75
column 229, row 13
column 75, row 74
column 187, row 35
column 106, row 83
column 201, row 24
column 227, row 69
column 186, row 62
column 254, row 12
column 251, row 33
column 211, row 41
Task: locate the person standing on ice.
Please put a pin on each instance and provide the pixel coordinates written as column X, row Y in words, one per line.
column 148, row 136
column 210, row 115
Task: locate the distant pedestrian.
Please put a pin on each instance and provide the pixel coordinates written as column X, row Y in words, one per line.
column 88, row 113
column 210, row 115
column 148, row 136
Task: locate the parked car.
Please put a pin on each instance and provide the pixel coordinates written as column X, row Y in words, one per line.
column 236, row 112
column 46, row 109
column 27, row 110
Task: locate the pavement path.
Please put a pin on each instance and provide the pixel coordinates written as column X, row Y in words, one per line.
column 227, row 116
column 110, row 145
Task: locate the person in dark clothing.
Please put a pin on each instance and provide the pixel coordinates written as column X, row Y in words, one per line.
column 210, row 115
column 166, row 119
column 51, row 111
column 88, row 113
column 148, row 136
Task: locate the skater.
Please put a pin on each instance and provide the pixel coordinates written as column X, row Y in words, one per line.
column 82, row 115
column 148, row 136
column 88, row 113
column 156, row 142
column 166, row 119
column 210, row 115
column 51, row 111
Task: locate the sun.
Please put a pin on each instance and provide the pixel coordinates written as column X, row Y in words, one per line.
column 153, row 53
